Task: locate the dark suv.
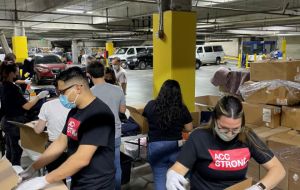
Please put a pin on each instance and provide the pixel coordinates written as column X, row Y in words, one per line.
column 143, row 59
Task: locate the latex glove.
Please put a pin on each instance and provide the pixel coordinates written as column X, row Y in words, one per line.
column 28, row 81
column 43, row 94
column 253, row 187
column 28, row 173
column 175, row 181
column 33, row 184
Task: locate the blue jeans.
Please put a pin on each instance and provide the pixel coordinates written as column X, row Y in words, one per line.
column 118, row 164
column 161, row 156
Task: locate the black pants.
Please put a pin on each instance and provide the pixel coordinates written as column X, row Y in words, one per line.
column 12, row 137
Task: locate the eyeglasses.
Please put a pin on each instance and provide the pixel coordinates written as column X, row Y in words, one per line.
column 64, row 90
column 227, row 130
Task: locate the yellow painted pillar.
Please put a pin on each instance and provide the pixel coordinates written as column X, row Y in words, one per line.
column 283, row 48
column 174, row 55
column 20, row 49
column 239, row 63
column 109, row 47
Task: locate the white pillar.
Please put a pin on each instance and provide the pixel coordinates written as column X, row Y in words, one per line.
column 74, row 52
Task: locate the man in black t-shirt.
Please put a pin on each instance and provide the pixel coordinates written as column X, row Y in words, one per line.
column 88, row 136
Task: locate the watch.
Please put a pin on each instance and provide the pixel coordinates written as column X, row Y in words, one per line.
column 261, row 186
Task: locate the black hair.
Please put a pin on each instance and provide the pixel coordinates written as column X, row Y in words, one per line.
column 6, row 68
column 113, row 80
column 95, row 69
column 10, row 57
column 73, row 74
column 169, row 104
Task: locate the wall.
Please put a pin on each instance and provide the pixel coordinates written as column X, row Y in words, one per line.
column 292, row 46
column 38, row 43
column 231, row 48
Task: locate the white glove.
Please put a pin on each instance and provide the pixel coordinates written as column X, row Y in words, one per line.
column 175, row 181
column 28, row 81
column 28, row 173
column 33, row 184
column 43, row 94
column 253, row 187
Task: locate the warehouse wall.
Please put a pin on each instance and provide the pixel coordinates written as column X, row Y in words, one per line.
column 292, row 46
column 230, row 47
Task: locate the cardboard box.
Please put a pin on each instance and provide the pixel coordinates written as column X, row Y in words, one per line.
column 29, row 139
column 281, row 96
column 9, row 178
column 284, row 140
column 242, row 185
column 264, row 133
column 290, row 117
column 139, row 119
column 196, row 119
column 204, row 105
column 284, row 70
column 262, row 115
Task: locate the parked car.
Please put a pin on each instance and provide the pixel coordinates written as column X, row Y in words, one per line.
column 124, row 53
column 47, row 67
column 142, row 60
column 209, row 54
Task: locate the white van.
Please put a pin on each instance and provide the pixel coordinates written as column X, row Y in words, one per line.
column 125, row 52
column 209, row 54
column 2, row 55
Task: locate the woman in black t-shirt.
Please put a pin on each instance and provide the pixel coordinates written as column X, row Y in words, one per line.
column 13, row 106
column 167, row 117
column 218, row 156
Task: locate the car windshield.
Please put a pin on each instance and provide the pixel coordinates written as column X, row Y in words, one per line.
column 49, row 59
column 121, row 51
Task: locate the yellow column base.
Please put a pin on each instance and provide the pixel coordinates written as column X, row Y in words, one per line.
column 109, row 46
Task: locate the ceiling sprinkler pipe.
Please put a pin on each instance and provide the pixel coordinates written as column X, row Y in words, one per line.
column 162, row 6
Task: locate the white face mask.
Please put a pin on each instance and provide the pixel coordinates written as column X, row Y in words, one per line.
column 225, row 136
column 115, row 67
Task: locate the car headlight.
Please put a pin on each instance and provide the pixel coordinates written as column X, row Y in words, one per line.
column 42, row 70
column 134, row 59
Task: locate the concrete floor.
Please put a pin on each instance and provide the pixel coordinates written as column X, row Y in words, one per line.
column 139, row 91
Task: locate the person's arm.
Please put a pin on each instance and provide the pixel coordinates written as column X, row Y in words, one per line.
column 188, row 127
column 31, row 103
column 123, row 86
column 80, row 159
column 52, row 152
column 40, row 126
column 275, row 174
column 179, row 168
column 122, row 108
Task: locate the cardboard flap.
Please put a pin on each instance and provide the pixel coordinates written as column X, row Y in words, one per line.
column 139, row 119
column 242, row 185
column 29, row 139
column 8, row 177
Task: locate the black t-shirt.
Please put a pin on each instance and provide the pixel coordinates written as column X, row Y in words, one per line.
column 174, row 132
column 93, row 125
column 12, row 100
column 215, row 164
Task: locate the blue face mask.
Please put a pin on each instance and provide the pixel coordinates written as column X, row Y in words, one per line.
column 65, row 102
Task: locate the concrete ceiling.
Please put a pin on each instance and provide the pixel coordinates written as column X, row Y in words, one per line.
column 132, row 19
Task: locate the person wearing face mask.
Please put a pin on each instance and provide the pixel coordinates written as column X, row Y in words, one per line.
column 120, row 73
column 218, row 156
column 14, row 106
column 110, row 76
column 88, row 136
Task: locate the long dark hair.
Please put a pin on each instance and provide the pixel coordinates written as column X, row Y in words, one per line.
column 6, row 68
column 169, row 104
column 231, row 107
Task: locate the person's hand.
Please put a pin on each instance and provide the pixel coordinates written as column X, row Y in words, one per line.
column 254, row 187
column 33, row 184
column 27, row 81
column 28, row 173
column 175, row 181
column 43, row 94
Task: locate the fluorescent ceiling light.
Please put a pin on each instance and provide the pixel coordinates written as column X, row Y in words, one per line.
column 89, row 12
column 70, row 11
column 253, row 32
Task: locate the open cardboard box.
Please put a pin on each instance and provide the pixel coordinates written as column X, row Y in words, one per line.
column 9, row 178
column 29, row 139
column 242, row 185
column 139, row 119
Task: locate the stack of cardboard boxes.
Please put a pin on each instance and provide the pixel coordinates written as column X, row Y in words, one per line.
column 272, row 110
